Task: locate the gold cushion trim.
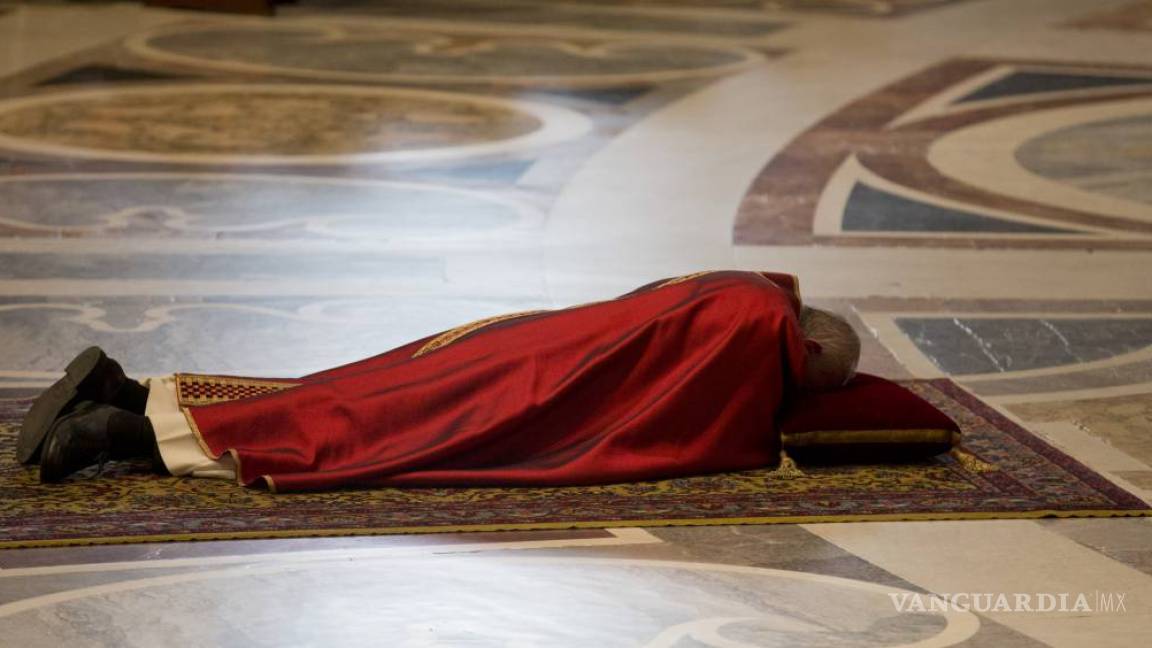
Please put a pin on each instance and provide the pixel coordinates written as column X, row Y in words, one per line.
column 845, row 437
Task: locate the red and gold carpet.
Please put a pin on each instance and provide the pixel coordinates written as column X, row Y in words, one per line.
column 1029, row 479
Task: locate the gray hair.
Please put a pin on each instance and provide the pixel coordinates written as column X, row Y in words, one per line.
column 840, row 346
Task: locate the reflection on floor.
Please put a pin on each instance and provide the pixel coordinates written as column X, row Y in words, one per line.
column 970, row 182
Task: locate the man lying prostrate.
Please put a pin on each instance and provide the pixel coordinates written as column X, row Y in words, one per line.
column 680, row 377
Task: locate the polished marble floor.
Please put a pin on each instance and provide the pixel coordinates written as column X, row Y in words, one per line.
column 970, row 182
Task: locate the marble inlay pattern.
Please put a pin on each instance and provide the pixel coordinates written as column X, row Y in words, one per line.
column 553, row 15
column 1022, row 82
column 1123, row 421
column 202, row 193
column 377, row 54
column 870, row 8
column 993, row 345
column 1112, row 157
column 218, row 267
column 869, row 209
column 265, row 336
column 1069, row 378
column 286, row 124
column 435, row 602
column 1123, row 540
column 217, row 206
column 147, row 555
column 873, row 8
column 1139, row 478
column 1006, row 352
column 962, row 154
column 1136, row 16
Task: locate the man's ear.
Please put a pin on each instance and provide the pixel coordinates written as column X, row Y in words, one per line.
column 813, row 347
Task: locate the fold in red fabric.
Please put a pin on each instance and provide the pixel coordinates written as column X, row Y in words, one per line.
column 676, row 378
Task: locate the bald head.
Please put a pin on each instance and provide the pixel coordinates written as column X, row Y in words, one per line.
column 833, row 349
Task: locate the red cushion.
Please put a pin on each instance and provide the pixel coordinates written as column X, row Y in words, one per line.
column 869, row 419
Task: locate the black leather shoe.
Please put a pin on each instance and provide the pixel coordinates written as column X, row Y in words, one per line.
column 75, row 441
column 91, row 376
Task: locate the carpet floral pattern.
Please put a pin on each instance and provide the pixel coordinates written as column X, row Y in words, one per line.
column 125, row 503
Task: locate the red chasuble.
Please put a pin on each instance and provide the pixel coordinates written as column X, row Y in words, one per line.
column 677, row 378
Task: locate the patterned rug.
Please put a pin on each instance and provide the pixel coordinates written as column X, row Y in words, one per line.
column 1030, row 479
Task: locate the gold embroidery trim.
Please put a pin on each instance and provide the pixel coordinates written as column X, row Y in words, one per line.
column 839, row 437
column 212, row 379
column 683, row 278
column 185, row 381
column 795, row 280
column 204, row 445
column 448, row 337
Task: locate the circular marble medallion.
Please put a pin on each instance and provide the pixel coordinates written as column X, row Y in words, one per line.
column 373, row 53
column 278, row 124
column 1111, row 157
column 208, row 205
column 1090, row 157
column 496, row 601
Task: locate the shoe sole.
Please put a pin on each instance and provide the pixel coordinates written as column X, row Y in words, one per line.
column 55, row 400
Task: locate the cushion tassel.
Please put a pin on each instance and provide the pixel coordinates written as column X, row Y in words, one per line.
column 787, row 468
column 970, row 462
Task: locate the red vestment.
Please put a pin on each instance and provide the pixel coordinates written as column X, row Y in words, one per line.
column 676, row 378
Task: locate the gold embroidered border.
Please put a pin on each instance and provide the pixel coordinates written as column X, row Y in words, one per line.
column 841, row 437
column 795, row 281
column 448, row 337
column 187, row 383
column 688, row 277
column 208, row 451
column 683, row 278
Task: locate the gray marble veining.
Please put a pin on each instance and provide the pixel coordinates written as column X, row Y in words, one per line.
column 1131, row 373
column 969, row 345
